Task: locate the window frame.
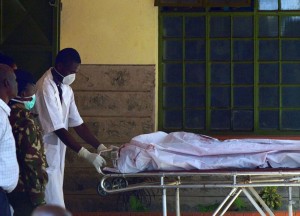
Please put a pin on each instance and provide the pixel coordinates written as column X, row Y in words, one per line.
column 208, row 14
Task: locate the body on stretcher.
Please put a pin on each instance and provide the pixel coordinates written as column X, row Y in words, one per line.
column 239, row 180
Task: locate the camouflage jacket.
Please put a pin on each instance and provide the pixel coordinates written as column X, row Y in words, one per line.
column 30, row 154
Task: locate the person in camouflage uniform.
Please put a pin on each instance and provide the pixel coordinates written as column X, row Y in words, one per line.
column 29, row 192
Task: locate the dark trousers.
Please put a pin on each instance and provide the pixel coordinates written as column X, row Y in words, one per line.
column 21, row 203
column 4, row 204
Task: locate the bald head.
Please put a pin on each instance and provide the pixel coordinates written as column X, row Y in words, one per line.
column 8, row 84
column 50, row 210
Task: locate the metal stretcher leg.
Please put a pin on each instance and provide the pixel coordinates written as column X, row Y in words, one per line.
column 291, row 202
column 250, row 198
column 225, row 200
column 164, row 197
column 259, row 199
column 178, row 199
column 230, row 203
column 177, row 202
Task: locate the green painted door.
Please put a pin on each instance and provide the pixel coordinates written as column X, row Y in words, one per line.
column 29, row 32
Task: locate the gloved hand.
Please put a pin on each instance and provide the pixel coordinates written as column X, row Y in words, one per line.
column 93, row 158
column 100, row 148
column 100, row 151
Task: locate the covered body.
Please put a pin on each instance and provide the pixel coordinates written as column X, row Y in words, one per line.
column 188, row 151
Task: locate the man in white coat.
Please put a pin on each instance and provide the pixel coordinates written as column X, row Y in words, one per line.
column 57, row 112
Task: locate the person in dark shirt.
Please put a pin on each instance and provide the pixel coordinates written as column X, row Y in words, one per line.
column 30, row 191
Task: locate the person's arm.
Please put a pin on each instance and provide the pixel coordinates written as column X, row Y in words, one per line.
column 76, row 122
column 85, row 134
column 66, row 137
column 68, row 140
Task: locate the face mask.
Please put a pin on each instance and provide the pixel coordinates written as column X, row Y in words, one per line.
column 67, row 80
column 28, row 104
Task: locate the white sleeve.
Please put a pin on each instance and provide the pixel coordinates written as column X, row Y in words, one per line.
column 3, row 118
column 74, row 116
column 49, row 109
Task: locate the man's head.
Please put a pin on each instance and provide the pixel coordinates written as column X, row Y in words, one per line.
column 26, row 89
column 50, row 210
column 67, row 61
column 8, row 83
column 26, row 83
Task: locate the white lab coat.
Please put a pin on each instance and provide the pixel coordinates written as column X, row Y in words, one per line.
column 54, row 115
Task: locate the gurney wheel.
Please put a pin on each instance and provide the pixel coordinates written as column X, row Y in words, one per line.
column 107, row 185
column 119, row 183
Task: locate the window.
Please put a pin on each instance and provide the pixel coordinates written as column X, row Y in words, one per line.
column 228, row 69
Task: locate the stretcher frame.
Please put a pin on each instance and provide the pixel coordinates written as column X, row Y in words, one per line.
column 239, row 180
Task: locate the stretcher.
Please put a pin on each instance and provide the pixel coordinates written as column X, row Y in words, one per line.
column 245, row 181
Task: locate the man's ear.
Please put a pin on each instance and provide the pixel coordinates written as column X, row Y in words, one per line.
column 6, row 83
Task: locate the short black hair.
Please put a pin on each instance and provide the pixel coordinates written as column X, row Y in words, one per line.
column 5, row 59
column 23, row 79
column 67, row 56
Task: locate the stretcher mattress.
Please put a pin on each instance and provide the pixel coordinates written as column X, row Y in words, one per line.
column 189, row 151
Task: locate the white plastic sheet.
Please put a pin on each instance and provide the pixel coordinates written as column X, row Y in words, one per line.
column 187, row 151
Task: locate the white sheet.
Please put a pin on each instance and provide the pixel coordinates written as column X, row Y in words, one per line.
column 187, row 151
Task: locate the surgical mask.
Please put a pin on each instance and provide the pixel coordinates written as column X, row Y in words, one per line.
column 67, row 80
column 28, row 104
